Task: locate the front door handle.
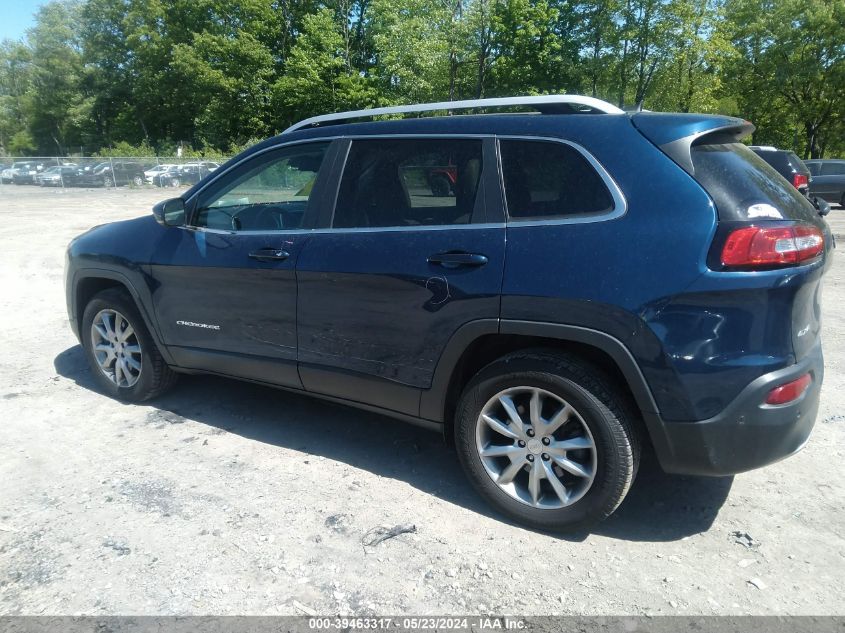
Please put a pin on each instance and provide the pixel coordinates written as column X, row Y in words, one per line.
column 454, row 260
column 269, row 255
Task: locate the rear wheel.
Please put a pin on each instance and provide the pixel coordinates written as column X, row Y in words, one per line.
column 175, row 182
column 138, row 181
column 547, row 440
column 108, row 181
column 123, row 357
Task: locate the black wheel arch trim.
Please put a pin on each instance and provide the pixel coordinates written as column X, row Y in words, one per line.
column 141, row 302
column 434, row 402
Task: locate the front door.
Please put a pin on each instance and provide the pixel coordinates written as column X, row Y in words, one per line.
column 225, row 295
column 410, row 255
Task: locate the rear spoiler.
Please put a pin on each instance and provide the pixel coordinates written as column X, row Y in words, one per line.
column 675, row 134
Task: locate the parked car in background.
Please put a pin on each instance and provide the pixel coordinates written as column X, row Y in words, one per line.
column 828, row 180
column 553, row 312
column 59, row 176
column 24, row 172
column 154, row 171
column 170, row 177
column 117, row 173
column 179, row 175
column 208, row 165
column 788, row 165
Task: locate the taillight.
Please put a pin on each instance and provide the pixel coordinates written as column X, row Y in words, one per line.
column 790, row 391
column 800, row 180
column 760, row 247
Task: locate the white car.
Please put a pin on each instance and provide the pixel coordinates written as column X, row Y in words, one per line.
column 154, row 171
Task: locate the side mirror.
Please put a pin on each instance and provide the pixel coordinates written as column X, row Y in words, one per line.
column 170, row 212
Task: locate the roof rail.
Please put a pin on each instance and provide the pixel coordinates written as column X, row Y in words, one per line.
column 549, row 104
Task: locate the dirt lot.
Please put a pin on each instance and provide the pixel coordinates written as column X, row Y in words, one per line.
column 224, row 497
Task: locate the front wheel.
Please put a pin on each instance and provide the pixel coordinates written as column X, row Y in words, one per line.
column 175, row 182
column 546, row 439
column 108, row 181
column 122, row 355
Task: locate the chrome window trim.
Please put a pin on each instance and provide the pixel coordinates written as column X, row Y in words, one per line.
column 620, row 204
column 363, row 229
column 619, row 209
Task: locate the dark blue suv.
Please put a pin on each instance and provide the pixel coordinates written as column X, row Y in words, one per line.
column 553, row 290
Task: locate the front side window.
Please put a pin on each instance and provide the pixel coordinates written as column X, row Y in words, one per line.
column 409, row 182
column 545, row 179
column 270, row 193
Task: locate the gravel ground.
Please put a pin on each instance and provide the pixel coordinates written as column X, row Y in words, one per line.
column 224, row 497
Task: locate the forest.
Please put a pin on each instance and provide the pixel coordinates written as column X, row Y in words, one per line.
column 143, row 76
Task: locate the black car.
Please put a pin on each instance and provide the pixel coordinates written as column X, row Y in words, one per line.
column 25, row 172
column 828, row 180
column 177, row 176
column 117, row 173
column 788, row 165
column 594, row 284
column 59, row 176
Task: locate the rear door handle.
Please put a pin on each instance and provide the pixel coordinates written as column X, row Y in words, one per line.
column 269, row 255
column 454, row 260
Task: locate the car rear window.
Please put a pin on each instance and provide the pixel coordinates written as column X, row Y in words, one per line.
column 744, row 186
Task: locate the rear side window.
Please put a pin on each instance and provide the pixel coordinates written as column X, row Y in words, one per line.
column 813, row 167
column 544, row 179
column 833, row 169
column 409, row 182
column 744, row 186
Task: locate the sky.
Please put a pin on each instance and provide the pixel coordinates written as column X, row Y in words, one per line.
column 16, row 17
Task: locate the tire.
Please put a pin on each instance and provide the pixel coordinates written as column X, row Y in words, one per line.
column 154, row 376
column 597, row 476
column 175, row 182
column 108, row 181
column 138, row 181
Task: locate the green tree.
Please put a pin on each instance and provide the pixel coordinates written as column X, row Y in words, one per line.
column 15, row 85
column 789, row 70
column 528, row 50
column 59, row 106
column 317, row 74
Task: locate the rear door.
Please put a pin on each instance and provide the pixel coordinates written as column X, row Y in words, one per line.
column 830, row 183
column 225, row 286
column 413, row 250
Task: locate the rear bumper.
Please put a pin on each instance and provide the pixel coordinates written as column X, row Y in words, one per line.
column 747, row 434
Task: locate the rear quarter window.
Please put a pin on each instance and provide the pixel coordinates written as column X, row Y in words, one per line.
column 545, row 179
column 745, row 187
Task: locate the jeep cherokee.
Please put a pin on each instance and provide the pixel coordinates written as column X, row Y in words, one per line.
column 590, row 283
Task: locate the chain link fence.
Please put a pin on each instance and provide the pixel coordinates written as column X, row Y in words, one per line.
column 107, row 172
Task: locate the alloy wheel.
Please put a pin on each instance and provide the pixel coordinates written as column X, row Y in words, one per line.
column 116, row 348
column 536, row 447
